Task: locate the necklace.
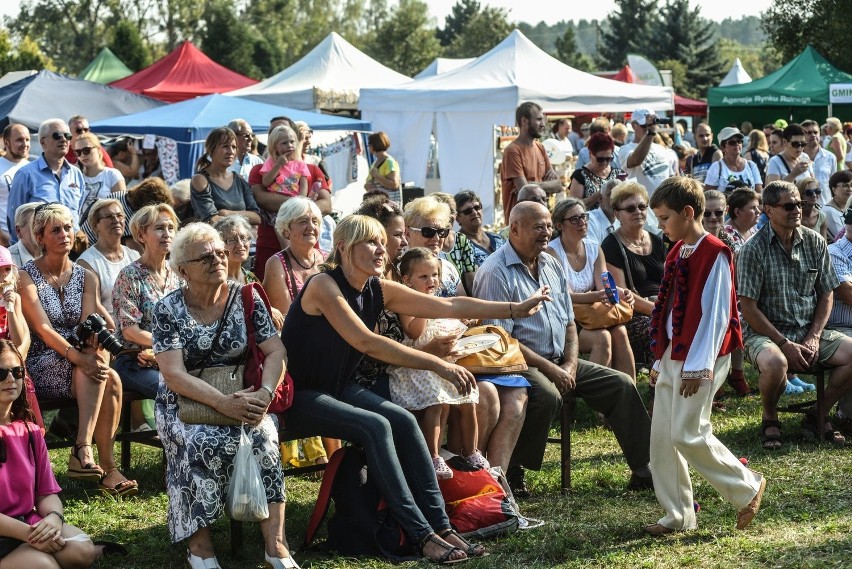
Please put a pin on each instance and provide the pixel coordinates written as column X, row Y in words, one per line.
column 59, row 287
column 641, row 244
column 308, row 268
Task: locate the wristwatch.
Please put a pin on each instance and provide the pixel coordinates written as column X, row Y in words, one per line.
column 269, row 389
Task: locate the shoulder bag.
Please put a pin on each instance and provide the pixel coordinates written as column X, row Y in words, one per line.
column 597, row 315
column 283, row 396
column 503, row 357
column 227, row 379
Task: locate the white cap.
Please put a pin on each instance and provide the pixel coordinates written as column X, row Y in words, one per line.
column 639, row 116
column 729, row 132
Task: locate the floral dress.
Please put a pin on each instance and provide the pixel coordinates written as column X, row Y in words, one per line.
column 199, row 458
column 134, row 296
column 51, row 371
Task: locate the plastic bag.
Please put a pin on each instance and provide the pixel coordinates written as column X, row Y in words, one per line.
column 246, row 494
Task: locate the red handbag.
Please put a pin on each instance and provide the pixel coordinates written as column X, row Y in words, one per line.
column 283, row 397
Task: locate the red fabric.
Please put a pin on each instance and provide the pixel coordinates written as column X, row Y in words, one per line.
column 683, row 106
column 474, row 500
column 183, row 74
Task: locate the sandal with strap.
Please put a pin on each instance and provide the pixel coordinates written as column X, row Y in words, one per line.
column 809, row 424
column 770, row 442
column 89, row 472
column 444, row 559
column 471, row 549
column 123, row 488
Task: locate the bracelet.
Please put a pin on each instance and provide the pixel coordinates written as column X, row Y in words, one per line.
column 68, row 349
column 269, row 389
column 782, row 342
column 57, row 514
column 511, row 314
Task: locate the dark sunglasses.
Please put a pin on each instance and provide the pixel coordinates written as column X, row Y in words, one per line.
column 734, row 141
column 18, row 372
column 210, row 258
column 798, row 144
column 576, row 219
column 471, row 209
column 430, row 232
column 717, row 213
column 603, row 159
column 60, row 135
column 81, row 130
column 633, row 208
column 85, row 151
column 788, row 206
column 812, row 193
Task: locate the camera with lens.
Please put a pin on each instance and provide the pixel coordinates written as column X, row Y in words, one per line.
column 96, row 325
column 662, row 120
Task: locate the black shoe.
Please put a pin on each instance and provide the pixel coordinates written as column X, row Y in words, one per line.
column 515, row 478
column 640, row 482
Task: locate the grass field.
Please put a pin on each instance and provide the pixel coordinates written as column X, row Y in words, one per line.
column 805, row 521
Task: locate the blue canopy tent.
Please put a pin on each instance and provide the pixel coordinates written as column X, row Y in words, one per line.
column 189, row 122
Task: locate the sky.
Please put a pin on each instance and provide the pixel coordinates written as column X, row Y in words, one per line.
column 552, row 11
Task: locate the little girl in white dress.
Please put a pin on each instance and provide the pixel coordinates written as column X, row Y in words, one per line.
column 425, row 393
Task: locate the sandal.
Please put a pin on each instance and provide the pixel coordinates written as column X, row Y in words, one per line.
column 280, row 562
column 770, row 442
column 89, row 472
column 809, row 424
column 477, row 460
column 448, row 551
column 123, row 488
column 442, row 471
column 471, row 549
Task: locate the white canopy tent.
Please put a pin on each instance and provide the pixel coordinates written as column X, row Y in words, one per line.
column 442, row 65
column 463, row 106
column 737, row 75
column 329, row 77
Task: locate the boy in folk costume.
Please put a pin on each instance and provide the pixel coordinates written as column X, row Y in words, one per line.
column 694, row 328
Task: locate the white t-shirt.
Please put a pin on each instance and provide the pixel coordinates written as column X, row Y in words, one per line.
column 778, row 166
column 7, row 172
column 659, row 164
column 97, row 188
column 718, row 175
column 600, row 226
column 107, row 271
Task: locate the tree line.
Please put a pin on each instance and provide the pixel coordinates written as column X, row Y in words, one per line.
column 259, row 38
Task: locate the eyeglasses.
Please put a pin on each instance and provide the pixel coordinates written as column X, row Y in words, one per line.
column 81, row 130
column 576, row 219
column 113, row 217
column 798, row 144
column 471, row 209
column 813, row 193
column 210, row 258
column 430, row 232
column 843, row 186
column 239, row 239
column 603, row 159
column 17, row 372
column 718, row 213
column 60, row 135
column 85, row 151
column 788, row 206
column 633, row 208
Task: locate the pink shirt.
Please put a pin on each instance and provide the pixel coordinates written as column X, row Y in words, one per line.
column 289, row 176
column 18, row 487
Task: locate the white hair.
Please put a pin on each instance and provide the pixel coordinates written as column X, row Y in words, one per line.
column 189, row 235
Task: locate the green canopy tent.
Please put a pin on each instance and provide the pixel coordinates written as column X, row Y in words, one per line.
column 796, row 92
column 105, row 68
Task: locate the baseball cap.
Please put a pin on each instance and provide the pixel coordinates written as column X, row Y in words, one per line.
column 5, row 257
column 729, row 132
column 781, row 123
column 640, row 115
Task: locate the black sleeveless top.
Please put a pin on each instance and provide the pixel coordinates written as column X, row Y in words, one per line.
column 318, row 358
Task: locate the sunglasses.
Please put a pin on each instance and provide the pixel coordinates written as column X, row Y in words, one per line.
column 603, row 159
column 734, row 141
column 576, row 219
column 788, row 206
column 17, row 372
column 85, row 151
column 633, row 208
column 718, row 213
column 81, row 130
column 60, row 135
column 430, row 232
column 798, row 144
column 812, row 193
column 210, row 258
column 471, row 209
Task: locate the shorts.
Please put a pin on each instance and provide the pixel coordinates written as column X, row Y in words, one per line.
column 8, row 545
column 829, row 341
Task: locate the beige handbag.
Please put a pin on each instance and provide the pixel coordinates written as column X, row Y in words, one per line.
column 503, row 357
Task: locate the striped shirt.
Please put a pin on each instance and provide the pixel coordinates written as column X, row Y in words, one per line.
column 785, row 286
column 504, row 277
column 841, row 258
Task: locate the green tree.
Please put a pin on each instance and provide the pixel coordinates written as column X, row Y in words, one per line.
column 683, row 35
column 483, row 31
column 629, row 29
column 127, row 44
column 566, row 51
column 25, row 55
column 758, row 60
column 406, row 41
column 221, row 26
column 792, row 25
column 455, row 22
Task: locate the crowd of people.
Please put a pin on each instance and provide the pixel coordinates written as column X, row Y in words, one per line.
column 365, row 318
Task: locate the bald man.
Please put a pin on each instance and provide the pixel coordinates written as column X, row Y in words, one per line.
column 548, row 341
column 16, row 141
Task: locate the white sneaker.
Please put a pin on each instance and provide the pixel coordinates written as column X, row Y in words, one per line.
column 196, row 562
column 280, row 562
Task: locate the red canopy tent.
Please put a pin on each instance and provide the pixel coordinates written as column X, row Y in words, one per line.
column 183, row 74
column 683, row 106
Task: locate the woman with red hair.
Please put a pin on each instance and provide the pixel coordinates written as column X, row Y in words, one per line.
column 587, row 182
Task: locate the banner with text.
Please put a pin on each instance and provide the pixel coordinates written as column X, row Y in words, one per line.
column 840, row 93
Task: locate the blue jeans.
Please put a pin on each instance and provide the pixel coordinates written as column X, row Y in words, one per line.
column 142, row 380
column 397, row 458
